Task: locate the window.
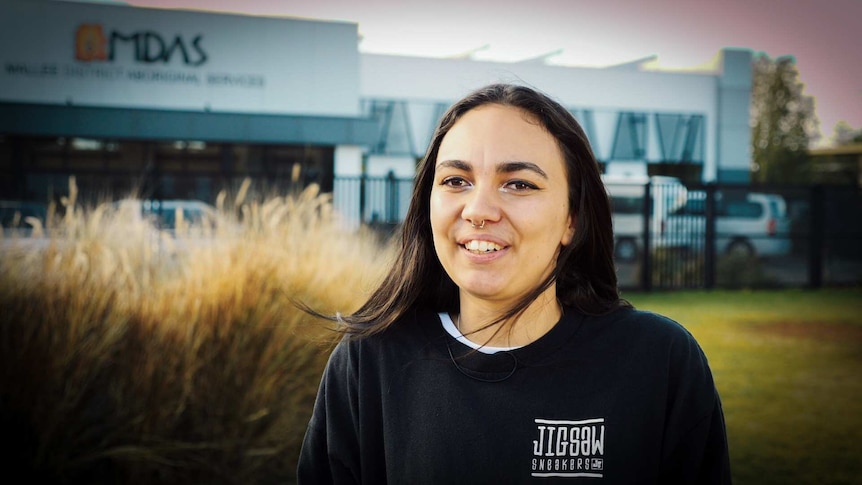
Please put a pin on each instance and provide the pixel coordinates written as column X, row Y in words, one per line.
column 587, row 122
column 680, row 137
column 393, row 127
column 751, row 210
column 692, row 207
column 628, row 205
column 630, row 137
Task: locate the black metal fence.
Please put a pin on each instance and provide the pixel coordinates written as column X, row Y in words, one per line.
column 753, row 236
column 380, row 202
column 669, row 236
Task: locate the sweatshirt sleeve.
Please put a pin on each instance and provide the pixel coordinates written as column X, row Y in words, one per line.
column 695, row 448
column 330, row 451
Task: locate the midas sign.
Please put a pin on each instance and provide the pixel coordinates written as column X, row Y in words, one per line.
column 92, row 45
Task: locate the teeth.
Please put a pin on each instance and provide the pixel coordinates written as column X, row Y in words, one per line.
column 482, row 246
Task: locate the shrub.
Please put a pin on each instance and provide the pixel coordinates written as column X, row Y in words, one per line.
column 677, row 268
column 130, row 355
column 736, row 271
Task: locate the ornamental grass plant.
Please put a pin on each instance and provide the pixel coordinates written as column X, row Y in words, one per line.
column 133, row 355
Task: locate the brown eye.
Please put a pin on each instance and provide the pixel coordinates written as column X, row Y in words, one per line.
column 519, row 186
column 455, row 182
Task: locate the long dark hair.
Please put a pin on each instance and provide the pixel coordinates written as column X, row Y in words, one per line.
column 584, row 275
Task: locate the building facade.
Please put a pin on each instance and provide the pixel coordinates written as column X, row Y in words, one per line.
column 171, row 104
column 181, row 104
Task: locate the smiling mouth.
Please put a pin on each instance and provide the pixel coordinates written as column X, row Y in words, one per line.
column 482, row 247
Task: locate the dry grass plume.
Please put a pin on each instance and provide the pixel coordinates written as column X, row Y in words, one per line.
column 131, row 355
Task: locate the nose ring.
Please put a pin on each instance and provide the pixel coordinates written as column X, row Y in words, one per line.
column 481, row 226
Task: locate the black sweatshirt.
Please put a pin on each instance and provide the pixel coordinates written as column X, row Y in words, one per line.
column 618, row 399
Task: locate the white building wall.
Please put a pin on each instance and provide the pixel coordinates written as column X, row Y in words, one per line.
column 734, row 130
column 348, row 165
column 399, row 77
column 422, row 82
column 348, row 160
column 62, row 53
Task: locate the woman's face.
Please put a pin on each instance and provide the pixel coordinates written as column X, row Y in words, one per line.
column 497, row 164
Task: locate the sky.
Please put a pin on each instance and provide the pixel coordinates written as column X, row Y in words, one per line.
column 822, row 35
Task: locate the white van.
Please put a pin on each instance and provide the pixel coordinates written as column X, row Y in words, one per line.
column 755, row 225
column 166, row 215
column 627, row 206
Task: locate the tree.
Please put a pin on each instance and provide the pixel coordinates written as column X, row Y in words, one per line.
column 844, row 134
column 782, row 120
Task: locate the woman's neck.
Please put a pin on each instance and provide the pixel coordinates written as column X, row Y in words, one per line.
column 539, row 317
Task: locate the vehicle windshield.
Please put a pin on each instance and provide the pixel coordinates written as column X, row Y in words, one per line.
column 738, row 208
column 692, row 207
column 628, row 205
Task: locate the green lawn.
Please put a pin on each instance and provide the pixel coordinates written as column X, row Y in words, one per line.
column 788, row 365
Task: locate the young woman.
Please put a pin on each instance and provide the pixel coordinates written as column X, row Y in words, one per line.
column 497, row 349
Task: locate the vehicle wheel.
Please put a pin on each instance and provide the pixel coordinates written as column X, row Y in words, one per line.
column 741, row 247
column 626, row 250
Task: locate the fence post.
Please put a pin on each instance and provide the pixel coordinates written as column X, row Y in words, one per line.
column 392, row 199
column 646, row 267
column 816, row 215
column 709, row 237
column 363, row 179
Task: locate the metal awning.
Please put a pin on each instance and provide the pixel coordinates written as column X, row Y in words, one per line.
column 152, row 124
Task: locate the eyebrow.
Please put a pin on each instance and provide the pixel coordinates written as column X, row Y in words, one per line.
column 505, row 167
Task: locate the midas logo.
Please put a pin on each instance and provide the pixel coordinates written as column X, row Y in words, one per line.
column 90, row 43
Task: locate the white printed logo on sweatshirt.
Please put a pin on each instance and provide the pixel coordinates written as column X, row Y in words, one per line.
column 565, row 448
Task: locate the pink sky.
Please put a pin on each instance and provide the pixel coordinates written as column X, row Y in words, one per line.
column 823, row 35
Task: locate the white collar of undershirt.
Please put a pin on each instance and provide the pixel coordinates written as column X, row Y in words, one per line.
column 452, row 330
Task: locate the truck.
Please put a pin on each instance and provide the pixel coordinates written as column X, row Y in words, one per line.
column 627, row 194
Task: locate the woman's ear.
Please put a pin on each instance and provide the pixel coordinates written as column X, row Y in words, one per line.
column 571, row 222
